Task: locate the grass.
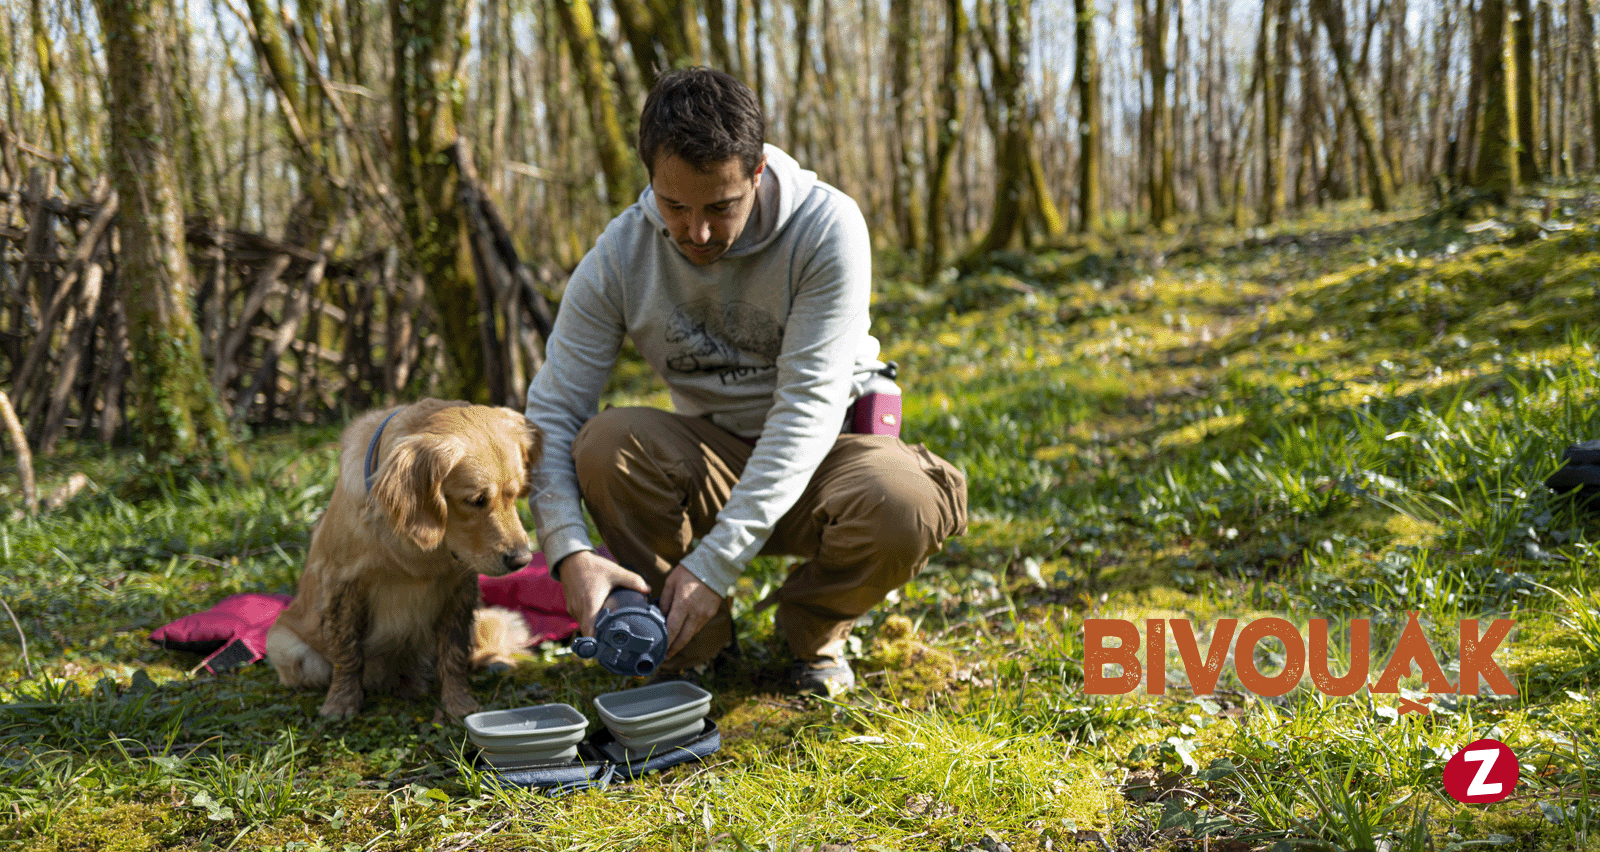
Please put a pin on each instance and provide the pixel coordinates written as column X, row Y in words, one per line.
column 1348, row 417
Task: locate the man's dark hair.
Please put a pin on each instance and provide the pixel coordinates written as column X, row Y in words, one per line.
column 705, row 118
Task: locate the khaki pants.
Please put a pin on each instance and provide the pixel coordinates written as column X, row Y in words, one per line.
column 873, row 513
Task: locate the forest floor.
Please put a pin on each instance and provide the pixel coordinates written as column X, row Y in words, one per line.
column 1348, row 417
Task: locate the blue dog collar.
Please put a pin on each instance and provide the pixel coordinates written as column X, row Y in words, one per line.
column 372, row 448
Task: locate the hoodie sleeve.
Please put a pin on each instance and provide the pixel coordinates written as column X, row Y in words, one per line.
column 565, row 393
column 821, row 338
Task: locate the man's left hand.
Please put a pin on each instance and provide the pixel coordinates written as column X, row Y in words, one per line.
column 688, row 604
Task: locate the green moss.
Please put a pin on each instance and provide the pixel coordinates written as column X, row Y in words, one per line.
column 99, row 826
column 913, row 668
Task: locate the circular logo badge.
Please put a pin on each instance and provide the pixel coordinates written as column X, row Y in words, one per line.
column 1483, row 772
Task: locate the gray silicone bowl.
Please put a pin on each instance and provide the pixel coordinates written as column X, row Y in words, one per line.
column 537, row 730
column 519, row 759
column 661, row 714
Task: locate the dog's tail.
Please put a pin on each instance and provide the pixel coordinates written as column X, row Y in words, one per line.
column 498, row 635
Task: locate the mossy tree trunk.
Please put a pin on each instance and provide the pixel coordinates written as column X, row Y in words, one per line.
column 1527, row 106
column 429, row 42
column 1381, row 189
column 905, row 45
column 1272, row 56
column 1087, row 74
column 616, row 159
column 1018, row 188
column 796, row 123
column 1155, row 15
column 947, row 131
column 722, row 55
column 660, row 35
column 44, row 54
column 302, row 121
column 1496, row 170
column 179, row 417
column 1591, row 62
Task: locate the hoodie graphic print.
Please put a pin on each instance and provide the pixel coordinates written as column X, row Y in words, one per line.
column 731, row 341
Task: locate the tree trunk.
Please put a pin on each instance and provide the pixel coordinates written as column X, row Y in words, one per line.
column 1018, row 188
column 1086, row 70
column 1377, row 174
column 1043, row 207
column 179, row 415
column 44, row 54
column 1496, row 173
column 1592, row 63
column 717, row 34
column 1466, row 151
column 1440, row 139
column 1528, row 145
column 1153, row 16
column 1554, row 92
column 662, row 33
column 425, row 115
column 1313, row 100
column 741, row 28
column 196, row 173
column 1394, row 71
column 832, row 160
column 904, row 46
column 1010, row 169
column 638, row 25
column 795, row 125
column 616, row 158
column 946, row 135
column 1215, row 81
column 1270, row 57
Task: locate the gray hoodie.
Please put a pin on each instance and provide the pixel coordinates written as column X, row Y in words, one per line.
column 769, row 342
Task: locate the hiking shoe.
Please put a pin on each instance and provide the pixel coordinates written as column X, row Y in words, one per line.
column 825, row 677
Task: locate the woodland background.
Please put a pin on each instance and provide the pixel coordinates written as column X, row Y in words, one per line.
column 223, row 212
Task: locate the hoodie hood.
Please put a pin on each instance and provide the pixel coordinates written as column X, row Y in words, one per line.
column 784, row 186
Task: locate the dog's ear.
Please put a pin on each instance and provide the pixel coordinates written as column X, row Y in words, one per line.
column 409, row 489
column 533, row 451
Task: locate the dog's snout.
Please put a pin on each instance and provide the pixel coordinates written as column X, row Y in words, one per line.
column 516, row 560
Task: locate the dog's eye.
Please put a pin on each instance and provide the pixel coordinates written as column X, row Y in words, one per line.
column 477, row 501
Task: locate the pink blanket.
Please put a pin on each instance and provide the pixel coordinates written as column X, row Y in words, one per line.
column 234, row 632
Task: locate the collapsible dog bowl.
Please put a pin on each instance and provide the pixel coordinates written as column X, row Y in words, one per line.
column 653, row 717
column 542, row 733
column 526, row 759
column 508, row 760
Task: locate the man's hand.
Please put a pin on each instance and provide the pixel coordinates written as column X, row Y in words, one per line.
column 688, row 604
column 587, row 579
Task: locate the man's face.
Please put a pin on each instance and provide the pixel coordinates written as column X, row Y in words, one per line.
column 704, row 211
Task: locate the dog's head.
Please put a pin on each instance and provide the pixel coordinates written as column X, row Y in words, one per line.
column 453, row 482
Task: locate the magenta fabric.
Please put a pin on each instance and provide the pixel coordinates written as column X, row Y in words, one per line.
column 234, row 632
column 240, row 619
column 535, row 594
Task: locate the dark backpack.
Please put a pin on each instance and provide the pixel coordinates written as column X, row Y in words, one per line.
column 1579, row 475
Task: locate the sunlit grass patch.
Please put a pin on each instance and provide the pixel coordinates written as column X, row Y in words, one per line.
column 895, row 776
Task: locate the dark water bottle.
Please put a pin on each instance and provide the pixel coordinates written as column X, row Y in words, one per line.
column 630, row 635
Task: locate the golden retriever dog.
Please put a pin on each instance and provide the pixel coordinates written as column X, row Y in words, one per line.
column 425, row 502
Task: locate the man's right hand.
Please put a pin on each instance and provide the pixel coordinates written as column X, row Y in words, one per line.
column 587, row 579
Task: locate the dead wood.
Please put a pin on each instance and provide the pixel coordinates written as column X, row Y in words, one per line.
column 290, row 332
column 19, row 441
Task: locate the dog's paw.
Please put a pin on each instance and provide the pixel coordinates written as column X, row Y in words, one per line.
column 341, row 706
column 458, row 707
